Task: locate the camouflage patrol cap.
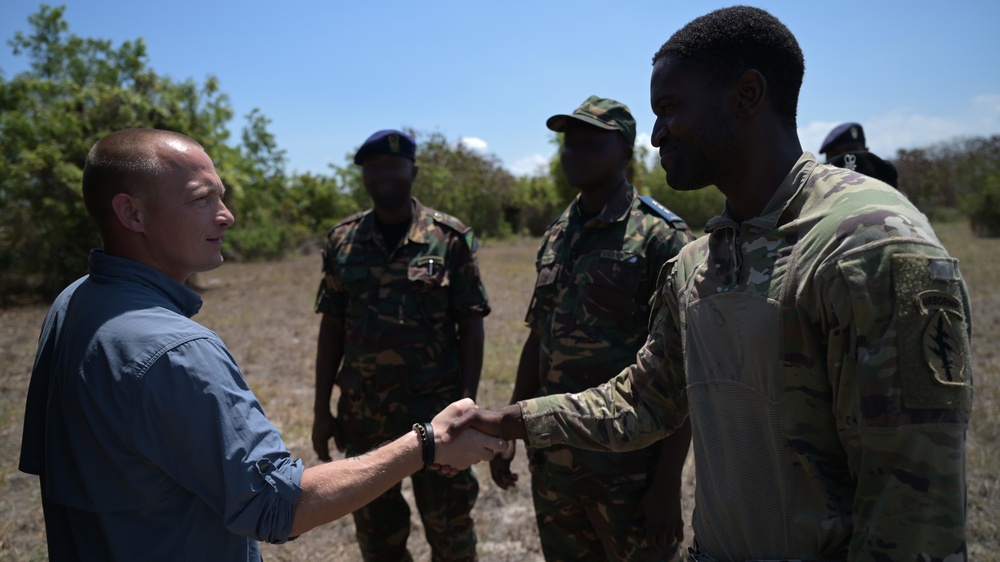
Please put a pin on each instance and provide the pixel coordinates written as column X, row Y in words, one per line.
column 843, row 133
column 599, row 112
column 387, row 141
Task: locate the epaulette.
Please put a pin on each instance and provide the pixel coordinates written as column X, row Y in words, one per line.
column 458, row 226
column 664, row 212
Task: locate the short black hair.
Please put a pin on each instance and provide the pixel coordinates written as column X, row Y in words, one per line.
column 727, row 42
column 124, row 161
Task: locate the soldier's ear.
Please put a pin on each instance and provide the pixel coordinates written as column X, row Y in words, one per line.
column 751, row 89
column 415, row 170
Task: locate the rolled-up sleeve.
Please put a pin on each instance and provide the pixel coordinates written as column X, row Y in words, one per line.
column 195, row 418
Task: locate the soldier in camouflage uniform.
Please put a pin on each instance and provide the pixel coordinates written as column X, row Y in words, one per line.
column 597, row 268
column 403, row 306
column 818, row 336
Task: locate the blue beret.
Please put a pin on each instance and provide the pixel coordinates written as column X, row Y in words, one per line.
column 845, row 132
column 387, row 141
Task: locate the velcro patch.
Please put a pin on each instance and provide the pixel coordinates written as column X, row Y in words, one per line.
column 933, row 336
column 619, row 255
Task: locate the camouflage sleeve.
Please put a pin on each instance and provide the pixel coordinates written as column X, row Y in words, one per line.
column 466, row 294
column 641, row 405
column 331, row 298
column 898, row 358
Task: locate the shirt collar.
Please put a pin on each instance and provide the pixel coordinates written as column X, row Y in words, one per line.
column 106, row 268
column 419, row 224
column 780, row 200
column 616, row 209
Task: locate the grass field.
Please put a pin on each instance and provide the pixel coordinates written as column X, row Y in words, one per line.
column 264, row 313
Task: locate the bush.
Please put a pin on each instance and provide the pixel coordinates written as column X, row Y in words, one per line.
column 983, row 209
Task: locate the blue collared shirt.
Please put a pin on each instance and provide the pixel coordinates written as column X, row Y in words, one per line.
column 149, row 443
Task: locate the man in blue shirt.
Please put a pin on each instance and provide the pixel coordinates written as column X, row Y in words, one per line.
column 147, row 440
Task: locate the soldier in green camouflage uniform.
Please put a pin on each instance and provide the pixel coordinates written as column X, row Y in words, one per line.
column 403, row 305
column 597, row 268
column 819, row 336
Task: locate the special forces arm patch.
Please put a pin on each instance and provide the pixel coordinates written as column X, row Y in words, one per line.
column 934, row 350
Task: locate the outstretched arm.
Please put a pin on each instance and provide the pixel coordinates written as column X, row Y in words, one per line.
column 333, row 490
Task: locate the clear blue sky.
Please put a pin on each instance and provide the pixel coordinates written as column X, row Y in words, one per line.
column 330, row 73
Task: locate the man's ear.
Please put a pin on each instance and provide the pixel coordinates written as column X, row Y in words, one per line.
column 415, row 170
column 751, row 89
column 129, row 212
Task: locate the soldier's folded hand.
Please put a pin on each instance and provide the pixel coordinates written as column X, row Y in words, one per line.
column 500, row 467
column 660, row 510
column 325, row 427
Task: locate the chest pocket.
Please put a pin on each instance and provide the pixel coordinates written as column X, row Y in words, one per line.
column 428, row 283
column 355, row 278
column 610, row 284
column 546, row 287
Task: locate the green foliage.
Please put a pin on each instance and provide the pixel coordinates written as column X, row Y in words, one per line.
column 983, row 208
column 958, row 174
column 459, row 181
column 76, row 91
column 535, row 204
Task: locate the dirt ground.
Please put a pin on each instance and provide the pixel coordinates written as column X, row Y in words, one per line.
column 264, row 313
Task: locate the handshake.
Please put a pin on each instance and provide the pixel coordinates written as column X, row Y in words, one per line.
column 462, row 435
column 472, row 424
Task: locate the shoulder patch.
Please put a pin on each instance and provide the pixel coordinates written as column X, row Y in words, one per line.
column 934, row 345
column 664, row 212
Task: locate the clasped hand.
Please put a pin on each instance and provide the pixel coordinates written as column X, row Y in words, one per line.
column 458, row 450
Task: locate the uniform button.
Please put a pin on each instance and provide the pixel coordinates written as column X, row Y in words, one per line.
column 264, row 465
column 437, row 215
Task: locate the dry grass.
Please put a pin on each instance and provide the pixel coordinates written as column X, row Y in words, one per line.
column 263, row 312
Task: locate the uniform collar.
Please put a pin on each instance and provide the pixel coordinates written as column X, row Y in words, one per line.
column 770, row 217
column 615, row 210
column 107, row 269
column 421, row 222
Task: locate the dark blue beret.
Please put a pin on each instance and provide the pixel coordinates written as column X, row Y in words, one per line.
column 845, row 132
column 387, row 141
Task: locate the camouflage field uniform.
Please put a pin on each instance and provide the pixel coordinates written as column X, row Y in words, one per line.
column 591, row 308
column 826, row 347
column 401, row 363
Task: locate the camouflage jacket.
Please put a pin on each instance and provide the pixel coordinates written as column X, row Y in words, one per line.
column 591, row 298
column 822, row 350
column 591, row 309
column 400, row 307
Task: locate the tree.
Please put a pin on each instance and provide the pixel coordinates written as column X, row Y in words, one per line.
column 956, row 175
column 76, row 91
